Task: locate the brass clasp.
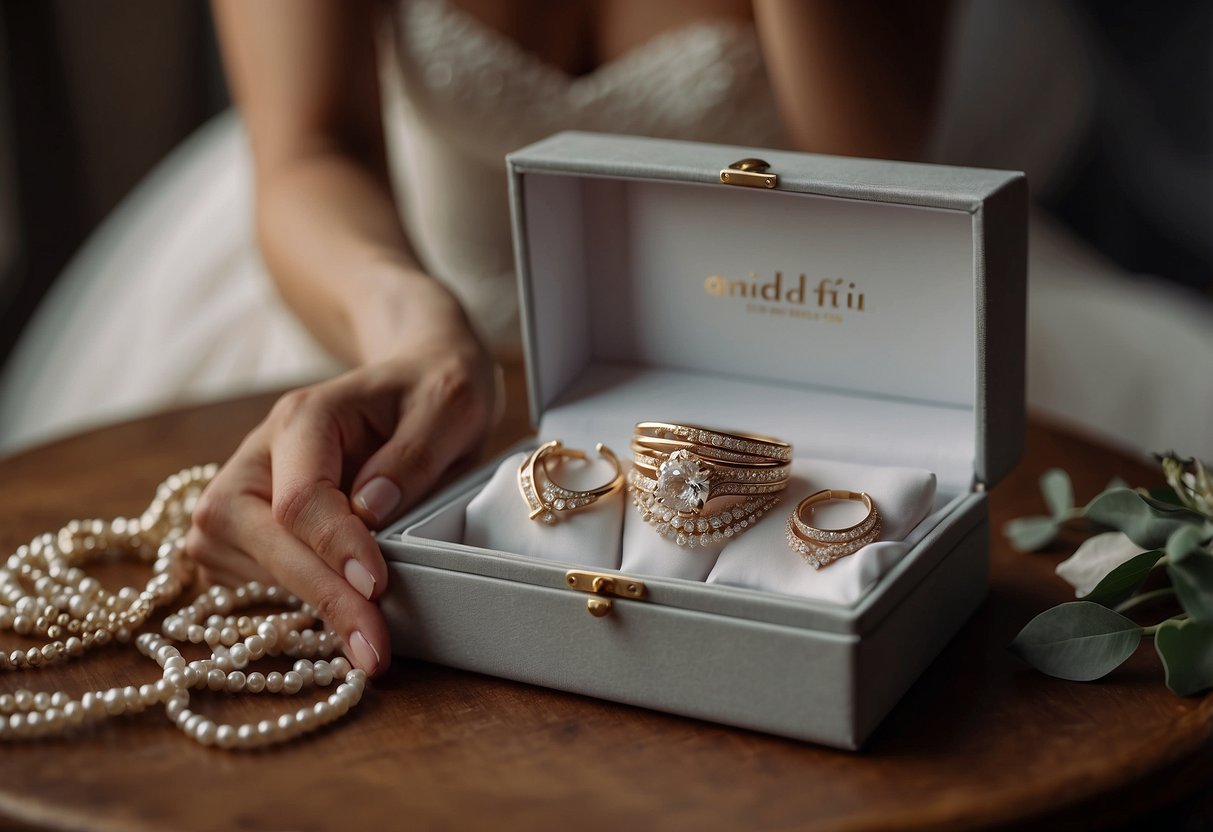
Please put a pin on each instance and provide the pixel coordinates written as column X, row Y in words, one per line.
column 600, row 585
column 750, row 173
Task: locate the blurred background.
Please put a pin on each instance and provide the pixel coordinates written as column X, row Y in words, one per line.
column 92, row 96
column 1108, row 104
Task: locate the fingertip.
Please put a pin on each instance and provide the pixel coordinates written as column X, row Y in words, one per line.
column 377, row 501
column 361, row 579
column 365, row 655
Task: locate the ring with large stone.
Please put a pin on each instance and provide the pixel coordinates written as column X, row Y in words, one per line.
column 819, row 546
column 545, row 498
column 705, row 530
column 685, row 480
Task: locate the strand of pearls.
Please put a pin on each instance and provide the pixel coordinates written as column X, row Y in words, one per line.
column 44, row 592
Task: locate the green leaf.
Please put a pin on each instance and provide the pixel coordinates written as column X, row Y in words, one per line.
column 1094, row 559
column 1147, row 522
column 1079, row 641
column 1185, row 542
column 1186, row 650
column 1027, row 534
column 1058, row 491
column 1192, row 577
column 1165, row 495
column 1124, row 580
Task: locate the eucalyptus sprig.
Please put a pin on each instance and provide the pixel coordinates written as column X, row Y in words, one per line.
column 1170, row 530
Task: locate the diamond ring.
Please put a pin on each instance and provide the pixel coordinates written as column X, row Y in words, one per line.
column 820, row 547
column 677, row 469
column 545, row 499
column 685, row 480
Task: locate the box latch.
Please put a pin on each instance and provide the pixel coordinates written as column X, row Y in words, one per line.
column 749, row 173
column 603, row 585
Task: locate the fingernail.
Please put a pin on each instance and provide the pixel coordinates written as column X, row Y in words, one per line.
column 379, row 498
column 359, row 578
column 365, row 654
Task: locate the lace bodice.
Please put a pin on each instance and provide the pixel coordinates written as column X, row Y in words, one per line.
column 460, row 96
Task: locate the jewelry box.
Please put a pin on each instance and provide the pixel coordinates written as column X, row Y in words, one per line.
column 870, row 313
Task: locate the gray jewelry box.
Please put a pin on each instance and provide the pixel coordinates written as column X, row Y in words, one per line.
column 866, row 311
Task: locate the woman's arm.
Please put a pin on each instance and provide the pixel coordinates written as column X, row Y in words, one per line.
column 304, row 75
column 297, row 500
column 854, row 78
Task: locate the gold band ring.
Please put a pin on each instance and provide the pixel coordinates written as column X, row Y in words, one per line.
column 545, row 498
column 752, row 444
column 820, row 547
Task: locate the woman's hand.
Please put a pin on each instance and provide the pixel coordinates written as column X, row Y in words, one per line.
column 297, row 503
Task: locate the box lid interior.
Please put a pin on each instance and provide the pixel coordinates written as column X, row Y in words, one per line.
column 848, row 311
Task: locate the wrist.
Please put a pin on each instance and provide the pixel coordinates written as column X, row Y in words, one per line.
column 396, row 310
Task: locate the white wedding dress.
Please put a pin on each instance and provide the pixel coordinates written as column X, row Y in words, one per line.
column 169, row 303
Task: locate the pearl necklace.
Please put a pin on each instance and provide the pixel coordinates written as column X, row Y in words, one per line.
column 45, row 592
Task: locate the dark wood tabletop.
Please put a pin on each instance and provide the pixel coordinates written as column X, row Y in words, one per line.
column 981, row 740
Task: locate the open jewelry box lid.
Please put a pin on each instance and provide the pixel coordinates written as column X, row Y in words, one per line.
column 863, row 310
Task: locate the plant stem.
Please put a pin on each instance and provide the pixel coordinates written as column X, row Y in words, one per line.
column 1145, row 598
column 1153, row 629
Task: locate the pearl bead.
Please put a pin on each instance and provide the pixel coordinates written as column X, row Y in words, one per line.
column 255, row 682
column 173, row 708
column 245, row 734
column 225, row 736
column 322, row 673
column 304, row 668
column 235, row 681
column 273, row 682
column 239, row 655
column 205, row 732
column 113, row 701
column 268, row 633
column 216, row 679
column 292, row 682
column 73, row 713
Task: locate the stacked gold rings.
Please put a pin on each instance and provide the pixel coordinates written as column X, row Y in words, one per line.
column 545, row 499
column 824, row 546
column 678, row 468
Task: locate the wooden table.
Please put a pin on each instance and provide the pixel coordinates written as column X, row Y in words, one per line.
column 981, row 740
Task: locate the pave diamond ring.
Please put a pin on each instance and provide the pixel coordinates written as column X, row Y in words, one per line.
column 685, row 480
column 718, row 443
column 684, row 466
column 705, row 530
column 678, row 468
column 820, row 547
column 545, row 499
